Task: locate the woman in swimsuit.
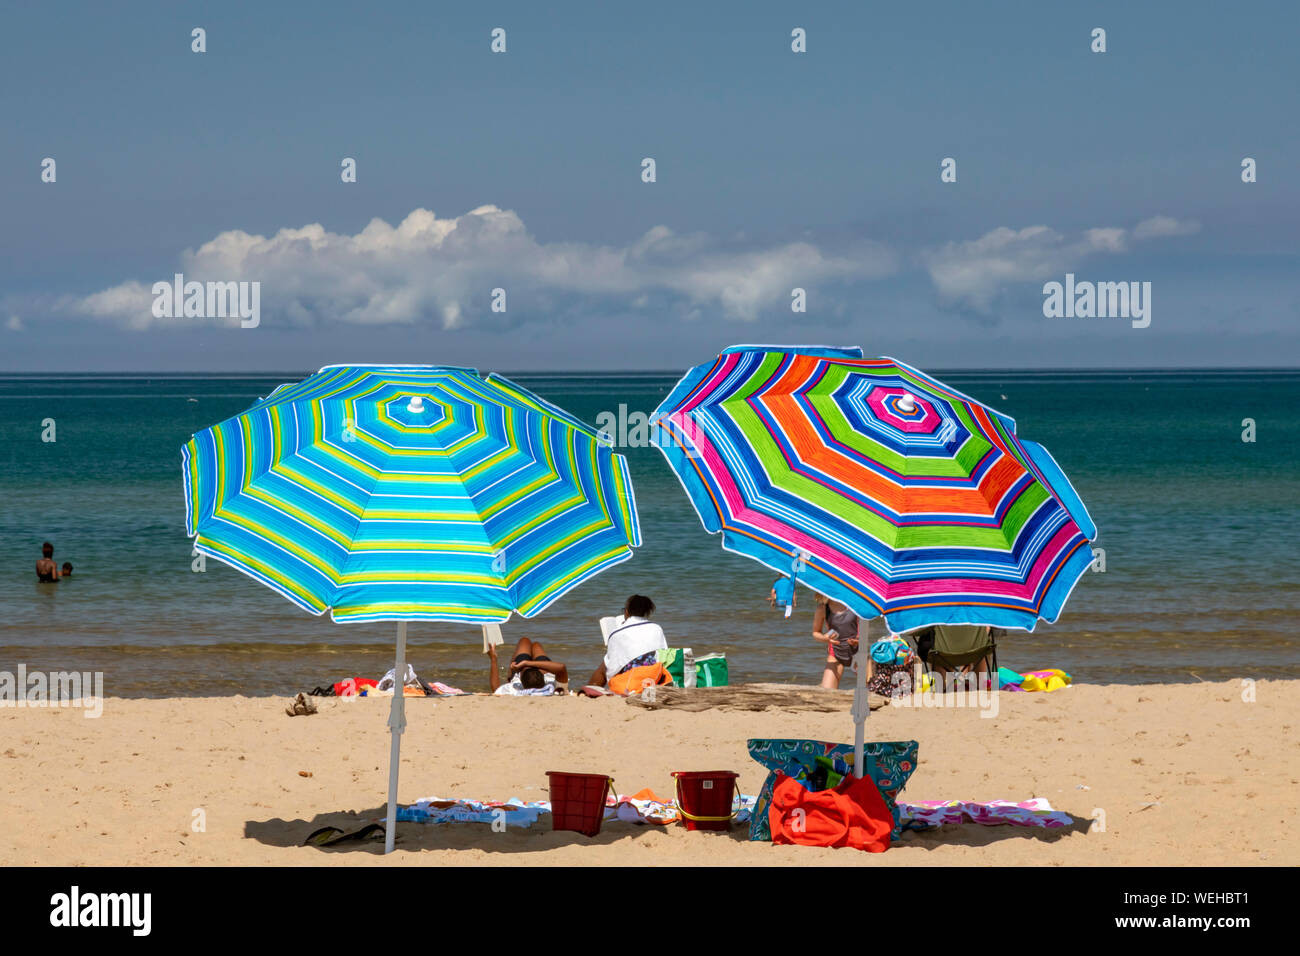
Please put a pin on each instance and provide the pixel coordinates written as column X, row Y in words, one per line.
column 837, row 627
column 47, row 572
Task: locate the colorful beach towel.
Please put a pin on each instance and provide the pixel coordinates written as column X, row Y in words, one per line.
column 517, row 813
column 643, row 807
column 1037, row 812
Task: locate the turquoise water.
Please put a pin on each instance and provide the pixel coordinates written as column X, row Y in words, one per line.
column 1200, row 531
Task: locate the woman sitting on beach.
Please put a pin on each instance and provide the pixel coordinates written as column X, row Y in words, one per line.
column 531, row 671
column 837, row 627
column 632, row 641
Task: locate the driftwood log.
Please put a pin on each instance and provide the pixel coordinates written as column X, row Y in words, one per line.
column 751, row 697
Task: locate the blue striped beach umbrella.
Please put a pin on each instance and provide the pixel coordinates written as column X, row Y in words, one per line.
column 409, row 493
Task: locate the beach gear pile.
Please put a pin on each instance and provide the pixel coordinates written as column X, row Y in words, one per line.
column 412, row 686
column 647, row 808
column 810, row 798
column 1045, row 680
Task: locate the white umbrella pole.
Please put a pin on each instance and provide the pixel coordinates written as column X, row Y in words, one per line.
column 397, row 724
column 861, row 707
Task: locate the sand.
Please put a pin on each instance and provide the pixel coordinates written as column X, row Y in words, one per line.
column 1182, row 775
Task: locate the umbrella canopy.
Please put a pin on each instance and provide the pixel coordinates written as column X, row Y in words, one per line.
column 407, row 493
column 877, row 485
column 410, row 493
column 882, row 487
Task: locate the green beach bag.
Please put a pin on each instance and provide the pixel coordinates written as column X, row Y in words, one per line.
column 711, row 670
column 680, row 663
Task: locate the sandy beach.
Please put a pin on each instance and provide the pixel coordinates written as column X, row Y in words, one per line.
column 1181, row 775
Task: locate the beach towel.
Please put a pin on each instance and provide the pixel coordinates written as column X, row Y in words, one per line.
column 632, row 638
column 352, row 686
column 516, row 688
column 642, row 807
column 638, row 679
column 852, row 814
column 515, row 813
column 1037, row 812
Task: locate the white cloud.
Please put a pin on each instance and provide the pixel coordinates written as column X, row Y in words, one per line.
column 445, row 269
column 130, row 302
column 14, row 324
column 973, row 272
column 1157, row 227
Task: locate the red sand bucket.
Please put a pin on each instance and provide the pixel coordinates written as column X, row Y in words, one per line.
column 578, row 801
column 704, row 798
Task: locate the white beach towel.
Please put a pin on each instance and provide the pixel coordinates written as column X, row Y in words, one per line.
column 634, row 637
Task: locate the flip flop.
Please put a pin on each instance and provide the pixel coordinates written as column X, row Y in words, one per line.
column 332, row 836
column 322, row 837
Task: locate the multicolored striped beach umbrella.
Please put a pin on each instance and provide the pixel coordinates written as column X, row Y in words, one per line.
column 404, row 493
column 882, row 487
column 410, row 493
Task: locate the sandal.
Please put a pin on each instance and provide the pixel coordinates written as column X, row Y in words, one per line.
column 301, row 706
column 332, row 836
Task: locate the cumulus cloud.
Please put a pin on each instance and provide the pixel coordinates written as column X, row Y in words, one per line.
column 444, row 270
column 972, row 273
column 14, row 324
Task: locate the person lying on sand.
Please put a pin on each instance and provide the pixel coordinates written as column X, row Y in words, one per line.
column 530, row 670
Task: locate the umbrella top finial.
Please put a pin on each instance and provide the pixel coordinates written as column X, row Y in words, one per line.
column 906, row 402
column 416, row 404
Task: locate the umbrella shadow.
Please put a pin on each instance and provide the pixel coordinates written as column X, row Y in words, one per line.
column 480, row 837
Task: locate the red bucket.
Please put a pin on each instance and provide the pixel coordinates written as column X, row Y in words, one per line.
column 578, row 801
column 704, row 798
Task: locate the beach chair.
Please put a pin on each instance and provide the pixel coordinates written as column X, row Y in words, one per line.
column 959, row 648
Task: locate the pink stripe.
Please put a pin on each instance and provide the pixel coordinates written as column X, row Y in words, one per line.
column 739, row 514
column 705, row 389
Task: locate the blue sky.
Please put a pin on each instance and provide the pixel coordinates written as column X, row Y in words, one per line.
column 522, row 171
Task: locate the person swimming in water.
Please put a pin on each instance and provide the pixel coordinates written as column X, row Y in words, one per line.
column 47, row 572
column 67, row 570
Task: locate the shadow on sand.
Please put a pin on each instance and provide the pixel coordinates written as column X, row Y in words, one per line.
column 540, row 837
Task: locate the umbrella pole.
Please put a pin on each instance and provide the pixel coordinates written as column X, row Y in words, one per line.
column 397, row 724
column 861, row 708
